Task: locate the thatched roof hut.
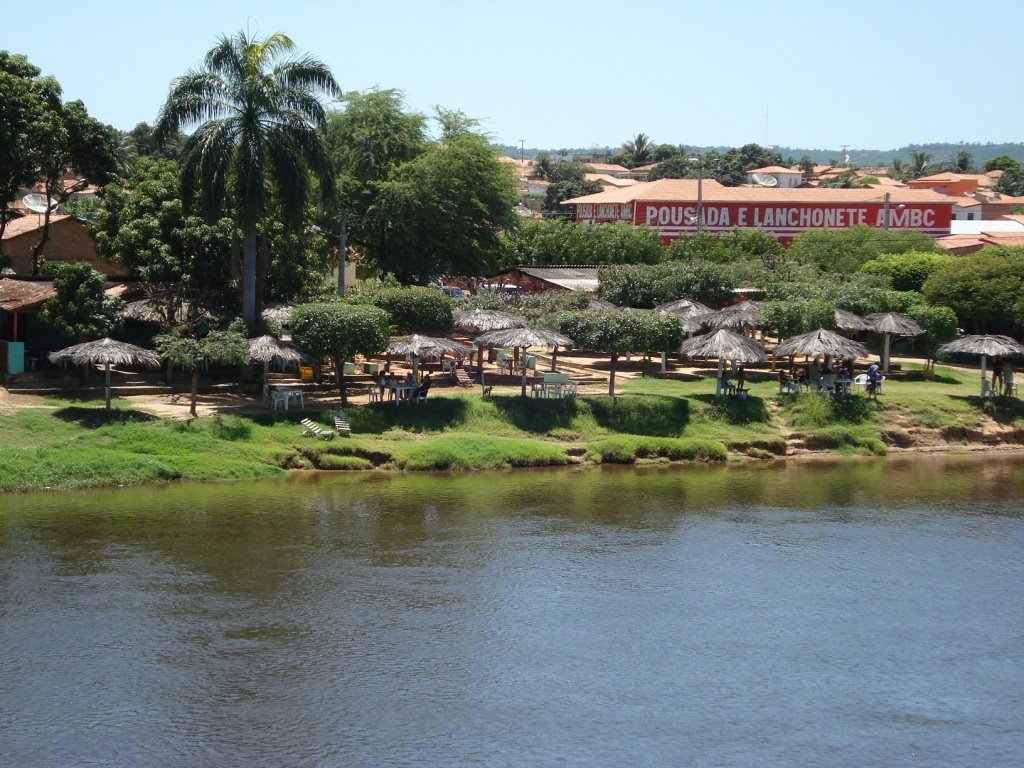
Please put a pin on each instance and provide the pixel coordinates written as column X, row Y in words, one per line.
column 724, row 345
column 523, row 338
column 891, row 324
column 848, row 321
column 822, row 342
column 744, row 315
column 482, row 320
column 986, row 346
column 106, row 352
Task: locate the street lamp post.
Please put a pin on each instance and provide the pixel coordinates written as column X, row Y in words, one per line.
column 699, row 162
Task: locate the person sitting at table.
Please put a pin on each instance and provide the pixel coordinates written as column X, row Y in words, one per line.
column 382, row 383
column 410, row 382
column 391, row 383
column 786, row 382
column 424, row 387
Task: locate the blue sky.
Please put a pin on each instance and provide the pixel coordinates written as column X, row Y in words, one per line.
column 871, row 75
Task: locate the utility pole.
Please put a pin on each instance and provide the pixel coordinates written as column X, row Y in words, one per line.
column 522, row 151
column 699, row 160
column 342, row 250
column 885, row 210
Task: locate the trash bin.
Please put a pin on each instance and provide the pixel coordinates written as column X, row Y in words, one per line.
column 306, row 372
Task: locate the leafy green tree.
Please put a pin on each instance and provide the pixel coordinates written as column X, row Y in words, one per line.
column 368, row 142
column 960, row 162
column 257, row 120
column 1002, row 163
column 80, row 310
column 983, row 288
column 186, row 348
column 845, row 250
column 446, row 209
column 1011, row 182
column 419, row 209
column 645, row 286
column 636, row 151
column 415, row 309
column 906, row 271
column 26, row 99
column 807, row 166
column 339, row 331
column 557, row 241
column 796, row 316
column 675, row 167
column 920, row 164
column 143, row 224
column 568, row 190
column 616, row 333
column 66, row 137
column 939, row 325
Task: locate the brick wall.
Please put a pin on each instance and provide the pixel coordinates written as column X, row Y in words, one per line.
column 69, row 241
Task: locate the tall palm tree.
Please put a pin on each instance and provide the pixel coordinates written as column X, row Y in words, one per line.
column 257, row 119
column 920, row 163
column 639, row 149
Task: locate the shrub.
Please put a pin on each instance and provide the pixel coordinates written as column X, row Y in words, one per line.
column 330, row 461
column 625, row 449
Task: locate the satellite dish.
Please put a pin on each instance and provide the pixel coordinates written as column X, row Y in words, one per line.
column 764, row 179
column 39, row 203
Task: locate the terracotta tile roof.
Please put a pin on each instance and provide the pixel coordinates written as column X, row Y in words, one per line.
column 607, row 167
column 966, row 202
column 30, row 223
column 685, row 190
column 959, row 242
column 610, row 181
column 774, row 169
column 16, row 295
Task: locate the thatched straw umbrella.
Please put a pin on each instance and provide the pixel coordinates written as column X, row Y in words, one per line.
column 277, row 313
column 687, row 310
column 742, row 316
column 724, row 345
column 598, row 305
column 426, row 347
column 684, row 308
column 523, row 338
column 984, row 345
column 847, row 321
column 106, row 352
column 477, row 321
column 892, row 324
column 267, row 350
column 822, row 342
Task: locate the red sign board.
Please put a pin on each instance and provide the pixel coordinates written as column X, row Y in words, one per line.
column 786, row 220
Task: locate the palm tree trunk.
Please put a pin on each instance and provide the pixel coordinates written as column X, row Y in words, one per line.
column 249, row 257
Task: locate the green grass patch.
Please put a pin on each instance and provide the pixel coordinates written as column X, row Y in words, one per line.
column 466, row 452
column 625, row 449
column 329, row 461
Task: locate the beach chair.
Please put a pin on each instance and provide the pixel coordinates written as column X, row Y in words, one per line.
column 462, row 378
column 341, row 425
column 312, row 429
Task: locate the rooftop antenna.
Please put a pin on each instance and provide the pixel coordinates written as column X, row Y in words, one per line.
column 766, row 124
column 846, row 155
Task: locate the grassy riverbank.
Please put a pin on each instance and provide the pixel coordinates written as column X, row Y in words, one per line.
column 61, row 444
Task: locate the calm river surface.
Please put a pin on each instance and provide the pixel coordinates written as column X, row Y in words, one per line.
column 848, row 613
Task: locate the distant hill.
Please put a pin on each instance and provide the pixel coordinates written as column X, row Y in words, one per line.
column 980, row 153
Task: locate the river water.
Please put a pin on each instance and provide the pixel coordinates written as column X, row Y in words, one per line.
column 841, row 613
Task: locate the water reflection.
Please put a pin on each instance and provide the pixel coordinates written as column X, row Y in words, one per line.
column 763, row 615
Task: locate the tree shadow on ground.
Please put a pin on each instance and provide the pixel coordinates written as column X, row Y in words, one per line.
column 1004, row 410
column 432, row 416
column 733, row 410
column 651, row 415
column 537, row 416
column 92, row 418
